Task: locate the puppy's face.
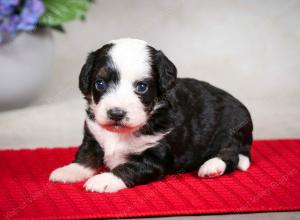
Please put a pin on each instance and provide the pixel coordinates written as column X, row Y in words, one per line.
column 123, row 82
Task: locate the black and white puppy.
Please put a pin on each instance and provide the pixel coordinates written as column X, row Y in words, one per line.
column 144, row 123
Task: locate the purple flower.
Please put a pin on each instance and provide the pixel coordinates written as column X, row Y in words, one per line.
column 19, row 15
column 7, row 7
column 30, row 14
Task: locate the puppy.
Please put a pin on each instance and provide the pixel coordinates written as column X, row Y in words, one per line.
column 144, row 123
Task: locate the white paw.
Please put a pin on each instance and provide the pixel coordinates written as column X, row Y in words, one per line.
column 104, row 182
column 212, row 168
column 71, row 173
column 244, row 163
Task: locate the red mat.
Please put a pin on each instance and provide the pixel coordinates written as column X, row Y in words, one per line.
column 271, row 184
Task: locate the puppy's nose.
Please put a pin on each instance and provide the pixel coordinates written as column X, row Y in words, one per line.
column 116, row 114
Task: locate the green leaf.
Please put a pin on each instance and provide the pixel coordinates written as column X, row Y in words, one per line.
column 59, row 28
column 58, row 11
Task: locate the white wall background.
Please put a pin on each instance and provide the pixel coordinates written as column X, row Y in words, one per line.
column 249, row 48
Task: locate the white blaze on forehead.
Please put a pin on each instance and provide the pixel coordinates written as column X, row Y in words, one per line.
column 131, row 58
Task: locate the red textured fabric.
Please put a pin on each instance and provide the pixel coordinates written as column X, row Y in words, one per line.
column 271, row 184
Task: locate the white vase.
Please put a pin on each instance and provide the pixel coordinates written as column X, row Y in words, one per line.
column 25, row 66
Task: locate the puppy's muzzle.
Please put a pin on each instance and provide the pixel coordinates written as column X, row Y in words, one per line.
column 116, row 114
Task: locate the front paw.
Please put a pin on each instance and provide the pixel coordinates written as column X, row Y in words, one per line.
column 71, row 173
column 104, row 182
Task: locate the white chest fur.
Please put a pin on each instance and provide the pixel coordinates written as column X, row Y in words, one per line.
column 118, row 146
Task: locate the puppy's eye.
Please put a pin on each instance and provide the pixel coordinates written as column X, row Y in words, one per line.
column 141, row 88
column 101, row 85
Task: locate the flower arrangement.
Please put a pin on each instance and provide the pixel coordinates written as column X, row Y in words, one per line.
column 27, row 15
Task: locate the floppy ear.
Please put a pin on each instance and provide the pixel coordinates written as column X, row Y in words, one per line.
column 86, row 73
column 166, row 70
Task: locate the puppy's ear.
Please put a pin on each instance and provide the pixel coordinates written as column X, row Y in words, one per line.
column 166, row 70
column 86, row 73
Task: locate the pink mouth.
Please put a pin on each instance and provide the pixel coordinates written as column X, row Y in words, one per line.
column 119, row 128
